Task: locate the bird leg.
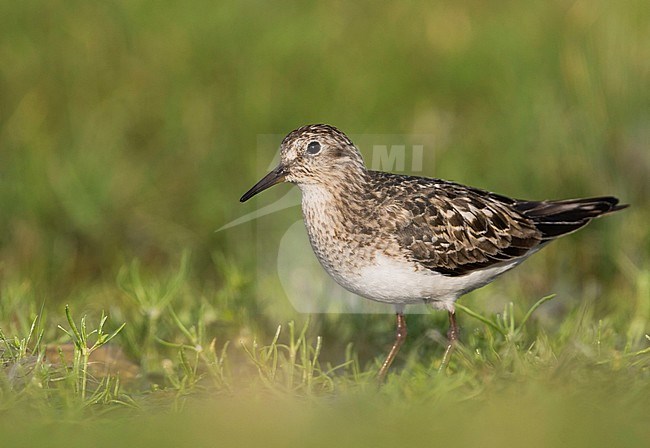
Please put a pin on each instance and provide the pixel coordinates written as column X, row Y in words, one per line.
column 452, row 338
column 400, row 337
column 452, row 333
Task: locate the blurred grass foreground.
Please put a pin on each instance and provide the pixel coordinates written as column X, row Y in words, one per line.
column 128, row 131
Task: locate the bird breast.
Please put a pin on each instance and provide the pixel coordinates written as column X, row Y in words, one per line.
column 340, row 242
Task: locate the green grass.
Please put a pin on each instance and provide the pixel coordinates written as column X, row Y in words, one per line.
column 128, row 131
column 513, row 380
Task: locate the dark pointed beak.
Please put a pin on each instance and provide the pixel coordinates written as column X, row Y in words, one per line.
column 274, row 177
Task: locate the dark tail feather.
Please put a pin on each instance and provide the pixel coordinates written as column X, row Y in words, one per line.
column 556, row 218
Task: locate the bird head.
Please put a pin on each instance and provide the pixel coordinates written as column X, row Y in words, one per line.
column 313, row 154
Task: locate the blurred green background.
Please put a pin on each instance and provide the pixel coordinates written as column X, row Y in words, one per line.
column 128, row 131
column 129, row 128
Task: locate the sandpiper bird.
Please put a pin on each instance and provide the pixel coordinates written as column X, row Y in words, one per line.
column 405, row 239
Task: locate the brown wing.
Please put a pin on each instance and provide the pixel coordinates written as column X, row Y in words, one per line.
column 452, row 229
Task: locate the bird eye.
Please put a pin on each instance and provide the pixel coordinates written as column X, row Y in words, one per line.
column 313, row 148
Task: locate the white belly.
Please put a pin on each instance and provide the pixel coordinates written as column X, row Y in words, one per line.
column 393, row 281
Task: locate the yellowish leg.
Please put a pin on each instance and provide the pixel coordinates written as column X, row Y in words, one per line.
column 452, row 338
column 400, row 337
